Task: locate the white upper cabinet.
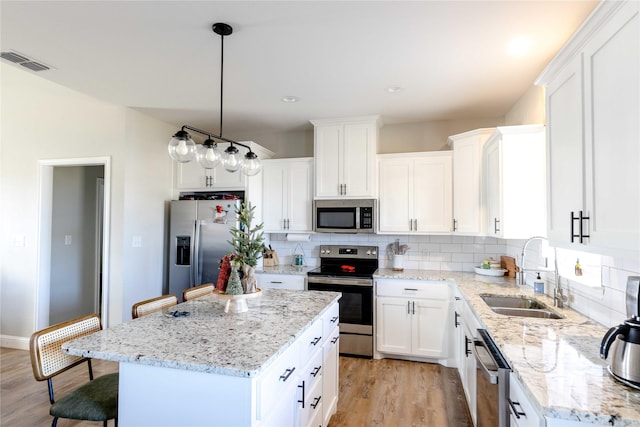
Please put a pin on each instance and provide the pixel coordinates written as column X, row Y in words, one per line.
column 514, row 182
column 287, row 190
column 192, row 176
column 593, row 105
column 467, row 180
column 415, row 192
column 345, row 157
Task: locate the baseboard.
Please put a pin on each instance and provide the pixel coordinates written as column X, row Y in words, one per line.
column 19, row 343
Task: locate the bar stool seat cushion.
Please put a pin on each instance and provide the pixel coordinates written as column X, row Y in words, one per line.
column 95, row 401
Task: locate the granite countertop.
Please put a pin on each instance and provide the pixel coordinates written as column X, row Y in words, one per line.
column 210, row 340
column 286, row 269
column 557, row 361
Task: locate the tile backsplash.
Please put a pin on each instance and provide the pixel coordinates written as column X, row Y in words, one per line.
column 602, row 299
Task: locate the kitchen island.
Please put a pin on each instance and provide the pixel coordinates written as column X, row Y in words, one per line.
column 216, row 368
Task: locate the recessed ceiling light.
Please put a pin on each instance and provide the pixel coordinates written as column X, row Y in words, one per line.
column 393, row 89
column 519, row 46
column 290, row 99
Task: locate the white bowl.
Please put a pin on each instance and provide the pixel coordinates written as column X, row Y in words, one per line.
column 490, row 271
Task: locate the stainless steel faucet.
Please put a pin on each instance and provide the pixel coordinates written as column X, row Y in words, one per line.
column 558, row 297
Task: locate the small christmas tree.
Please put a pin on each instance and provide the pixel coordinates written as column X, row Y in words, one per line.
column 247, row 241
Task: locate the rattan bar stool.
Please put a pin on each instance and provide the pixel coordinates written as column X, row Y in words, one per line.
column 152, row 305
column 97, row 400
column 197, row 291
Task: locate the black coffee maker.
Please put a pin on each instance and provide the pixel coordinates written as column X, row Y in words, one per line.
column 621, row 344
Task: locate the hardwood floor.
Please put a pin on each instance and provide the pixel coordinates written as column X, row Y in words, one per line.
column 399, row 393
column 372, row 393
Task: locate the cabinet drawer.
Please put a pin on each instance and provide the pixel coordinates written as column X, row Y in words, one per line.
column 279, row 381
column 521, row 409
column 312, row 372
column 413, row 289
column 330, row 320
column 310, row 342
column 280, row 281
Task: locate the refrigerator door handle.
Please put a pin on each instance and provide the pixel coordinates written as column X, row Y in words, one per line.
column 195, row 253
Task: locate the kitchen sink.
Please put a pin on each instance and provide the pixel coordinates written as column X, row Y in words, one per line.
column 520, row 306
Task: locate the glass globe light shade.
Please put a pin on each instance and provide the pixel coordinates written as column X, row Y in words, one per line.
column 181, row 147
column 208, row 155
column 232, row 159
column 252, row 165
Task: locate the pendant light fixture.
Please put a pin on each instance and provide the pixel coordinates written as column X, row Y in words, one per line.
column 183, row 149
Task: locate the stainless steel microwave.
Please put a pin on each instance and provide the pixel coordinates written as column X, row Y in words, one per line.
column 345, row 216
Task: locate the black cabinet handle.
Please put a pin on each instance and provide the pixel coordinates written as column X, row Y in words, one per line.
column 467, row 341
column 316, row 370
column 334, row 319
column 334, row 340
column 496, row 221
column 315, row 341
column 287, row 373
column 580, row 218
column 455, row 319
column 302, row 401
column 455, row 224
column 315, row 402
column 517, row 413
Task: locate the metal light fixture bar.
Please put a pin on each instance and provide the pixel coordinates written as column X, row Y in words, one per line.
column 213, row 135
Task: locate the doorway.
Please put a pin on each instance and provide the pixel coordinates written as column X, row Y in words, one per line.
column 73, row 265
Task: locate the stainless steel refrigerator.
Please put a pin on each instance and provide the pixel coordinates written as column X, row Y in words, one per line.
column 199, row 232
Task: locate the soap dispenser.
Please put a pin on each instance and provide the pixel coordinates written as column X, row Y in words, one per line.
column 538, row 285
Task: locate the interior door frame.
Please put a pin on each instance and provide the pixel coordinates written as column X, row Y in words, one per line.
column 43, row 286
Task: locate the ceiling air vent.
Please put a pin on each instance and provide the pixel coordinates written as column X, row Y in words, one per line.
column 20, row 59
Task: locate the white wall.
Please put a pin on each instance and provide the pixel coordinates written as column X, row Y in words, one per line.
column 41, row 120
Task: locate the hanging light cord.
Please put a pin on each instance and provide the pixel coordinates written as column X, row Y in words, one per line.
column 221, row 77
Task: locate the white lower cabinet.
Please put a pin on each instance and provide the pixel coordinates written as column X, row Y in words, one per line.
column 521, row 410
column 280, row 281
column 411, row 318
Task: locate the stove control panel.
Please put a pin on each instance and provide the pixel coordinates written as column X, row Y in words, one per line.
column 336, row 251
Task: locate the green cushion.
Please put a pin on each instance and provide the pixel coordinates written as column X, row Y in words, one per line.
column 95, row 401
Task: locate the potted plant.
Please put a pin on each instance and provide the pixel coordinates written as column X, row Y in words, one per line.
column 247, row 244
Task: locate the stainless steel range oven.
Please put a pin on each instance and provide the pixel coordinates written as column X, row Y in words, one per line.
column 349, row 269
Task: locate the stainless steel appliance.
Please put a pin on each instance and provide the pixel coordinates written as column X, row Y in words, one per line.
column 349, row 269
column 492, row 383
column 621, row 344
column 199, row 231
column 344, row 216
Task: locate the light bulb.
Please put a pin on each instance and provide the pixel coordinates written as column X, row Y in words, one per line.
column 231, row 159
column 208, row 155
column 181, row 147
column 252, row 165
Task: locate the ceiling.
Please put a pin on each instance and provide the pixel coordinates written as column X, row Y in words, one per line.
column 450, row 58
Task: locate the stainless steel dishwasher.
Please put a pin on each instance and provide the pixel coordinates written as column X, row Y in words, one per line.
column 492, row 383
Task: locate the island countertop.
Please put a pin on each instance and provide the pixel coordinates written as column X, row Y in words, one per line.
column 557, row 361
column 210, row 340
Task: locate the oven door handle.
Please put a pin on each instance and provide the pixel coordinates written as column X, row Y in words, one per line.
column 490, row 374
column 335, row 280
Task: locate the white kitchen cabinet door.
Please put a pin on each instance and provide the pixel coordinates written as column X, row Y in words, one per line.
column 287, row 187
column 432, row 193
column 345, row 157
column 393, row 331
column 395, row 206
column 564, row 151
column 415, row 193
column 514, row 191
column 429, row 327
column 467, row 181
column 330, row 368
column 612, row 131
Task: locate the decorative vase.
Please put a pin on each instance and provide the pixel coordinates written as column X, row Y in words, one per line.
column 248, row 279
column 234, row 287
